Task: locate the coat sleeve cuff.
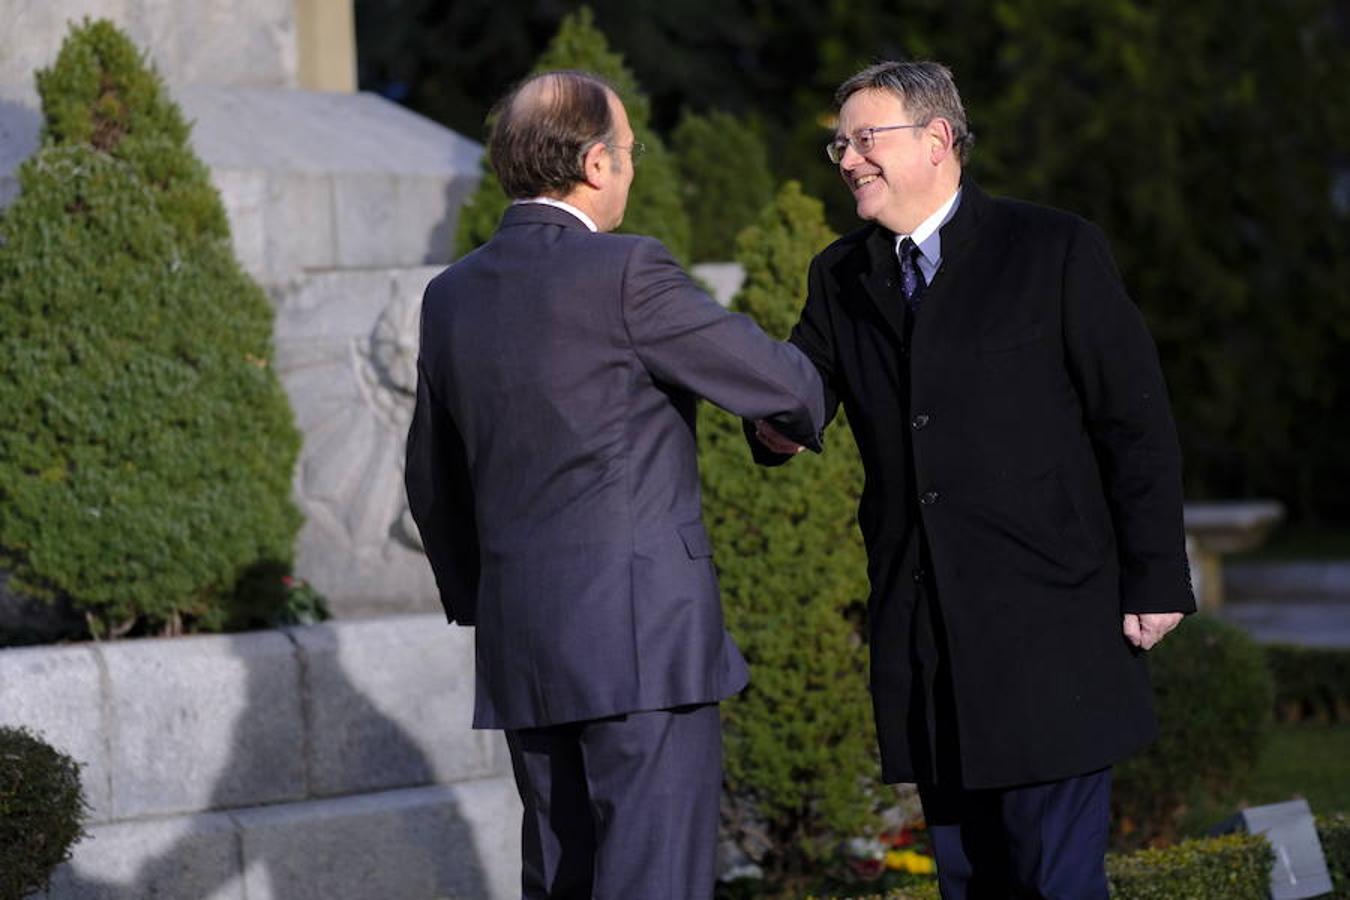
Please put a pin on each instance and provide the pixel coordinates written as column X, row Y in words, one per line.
column 1158, row 587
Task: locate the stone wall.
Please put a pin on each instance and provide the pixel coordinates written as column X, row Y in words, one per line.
column 250, row 43
column 334, row 762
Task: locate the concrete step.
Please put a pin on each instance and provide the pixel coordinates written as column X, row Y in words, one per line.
column 444, row 841
column 1308, row 624
column 334, row 761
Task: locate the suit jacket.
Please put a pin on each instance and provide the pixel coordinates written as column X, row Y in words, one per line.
column 552, row 466
column 1023, row 428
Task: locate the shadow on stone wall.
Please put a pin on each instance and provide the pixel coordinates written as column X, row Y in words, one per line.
column 387, row 844
column 20, row 127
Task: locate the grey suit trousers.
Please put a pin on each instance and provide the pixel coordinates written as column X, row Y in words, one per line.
column 621, row 808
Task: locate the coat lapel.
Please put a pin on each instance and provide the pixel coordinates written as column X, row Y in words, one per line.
column 946, row 303
column 881, row 279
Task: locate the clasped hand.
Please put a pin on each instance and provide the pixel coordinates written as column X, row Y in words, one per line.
column 773, row 439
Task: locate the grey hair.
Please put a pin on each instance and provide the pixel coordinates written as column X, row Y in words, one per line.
column 926, row 88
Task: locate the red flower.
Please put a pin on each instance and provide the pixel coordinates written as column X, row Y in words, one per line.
column 868, row 869
column 901, row 837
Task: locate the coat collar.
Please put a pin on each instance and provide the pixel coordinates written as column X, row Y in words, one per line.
column 956, row 233
column 539, row 214
column 883, row 269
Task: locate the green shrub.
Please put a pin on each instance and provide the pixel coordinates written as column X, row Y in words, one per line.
column 1334, row 833
column 100, row 93
column 925, row 891
column 799, row 746
column 654, row 206
column 1311, row 683
column 724, row 177
column 1213, row 697
column 1232, row 867
column 42, row 811
column 148, row 448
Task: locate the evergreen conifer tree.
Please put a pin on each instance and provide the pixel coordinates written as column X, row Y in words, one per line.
column 654, row 206
column 724, row 178
column 148, row 447
column 799, row 744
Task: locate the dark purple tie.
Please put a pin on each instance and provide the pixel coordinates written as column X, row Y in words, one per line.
column 911, row 278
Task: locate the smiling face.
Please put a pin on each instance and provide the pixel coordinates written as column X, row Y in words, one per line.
column 907, row 174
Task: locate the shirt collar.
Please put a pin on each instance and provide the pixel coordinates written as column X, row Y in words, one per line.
column 928, row 236
column 563, row 205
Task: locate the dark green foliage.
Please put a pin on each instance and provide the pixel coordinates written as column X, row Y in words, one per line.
column 799, row 745
column 100, row 93
column 479, row 215
column 725, row 177
column 1334, row 834
column 269, row 596
column 1209, row 139
column 1232, row 867
column 146, row 459
column 42, row 811
column 1213, row 700
column 1155, row 121
column 653, row 202
column 1311, row 683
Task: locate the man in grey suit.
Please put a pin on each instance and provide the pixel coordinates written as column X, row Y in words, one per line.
column 552, row 471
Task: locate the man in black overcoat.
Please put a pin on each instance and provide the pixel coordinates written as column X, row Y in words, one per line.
column 1023, row 504
column 553, row 474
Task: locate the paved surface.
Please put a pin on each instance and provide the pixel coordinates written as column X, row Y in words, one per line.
column 1298, row 602
column 1318, row 624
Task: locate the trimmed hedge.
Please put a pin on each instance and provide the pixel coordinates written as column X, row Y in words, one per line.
column 793, row 576
column 1231, row 867
column 42, row 811
column 148, row 447
column 1311, row 683
column 654, row 206
column 1212, row 691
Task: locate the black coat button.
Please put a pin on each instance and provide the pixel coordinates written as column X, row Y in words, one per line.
column 920, row 421
column 929, row 498
column 919, row 576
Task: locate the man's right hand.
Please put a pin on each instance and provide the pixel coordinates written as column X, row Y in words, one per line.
column 773, row 439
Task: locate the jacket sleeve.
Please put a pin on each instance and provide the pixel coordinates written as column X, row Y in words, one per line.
column 440, row 496
column 685, row 338
column 814, row 337
column 1114, row 365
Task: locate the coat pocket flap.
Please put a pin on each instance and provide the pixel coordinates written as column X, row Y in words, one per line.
column 695, row 540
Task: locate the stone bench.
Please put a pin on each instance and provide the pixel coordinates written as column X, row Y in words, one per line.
column 1218, row 528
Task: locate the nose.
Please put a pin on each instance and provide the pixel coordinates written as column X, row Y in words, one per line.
column 851, row 158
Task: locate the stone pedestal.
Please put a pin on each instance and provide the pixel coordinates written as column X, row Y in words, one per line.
column 1216, row 529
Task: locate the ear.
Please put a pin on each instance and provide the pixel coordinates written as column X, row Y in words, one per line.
column 940, row 137
column 595, row 165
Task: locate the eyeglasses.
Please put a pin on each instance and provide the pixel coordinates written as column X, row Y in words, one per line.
column 862, row 141
column 637, row 148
